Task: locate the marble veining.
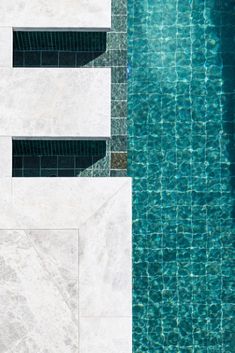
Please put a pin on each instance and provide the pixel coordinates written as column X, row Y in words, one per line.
column 67, row 290
column 105, row 260
column 39, row 291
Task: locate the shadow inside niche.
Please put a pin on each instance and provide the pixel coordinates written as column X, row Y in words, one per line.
column 56, row 158
column 57, row 48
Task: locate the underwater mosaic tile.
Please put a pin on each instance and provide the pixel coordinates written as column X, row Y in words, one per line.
column 181, row 156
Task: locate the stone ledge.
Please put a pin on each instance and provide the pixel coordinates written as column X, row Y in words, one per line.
column 55, row 14
column 55, row 102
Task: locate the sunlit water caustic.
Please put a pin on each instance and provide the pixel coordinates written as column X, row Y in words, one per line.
column 182, row 160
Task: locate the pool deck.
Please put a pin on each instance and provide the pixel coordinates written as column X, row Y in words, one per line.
column 91, row 14
column 66, row 243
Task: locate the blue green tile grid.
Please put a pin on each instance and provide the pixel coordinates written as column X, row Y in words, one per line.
column 181, row 155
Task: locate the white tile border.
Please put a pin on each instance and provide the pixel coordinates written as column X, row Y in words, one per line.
column 6, row 47
column 5, row 157
column 105, row 259
column 56, row 13
column 105, row 335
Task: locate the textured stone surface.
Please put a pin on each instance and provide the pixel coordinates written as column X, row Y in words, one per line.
column 58, row 285
column 56, row 203
column 39, row 291
column 119, row 161
column 6, row 47
column 105, row 335
column 105, row 260
column 5, row 157
column 54, row 13
column 55, row 102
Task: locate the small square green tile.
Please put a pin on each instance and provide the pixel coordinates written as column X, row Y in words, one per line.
column 119, row 109
column 118, row 160
column 119, row 23
column 119, row 7
column 119, row 91
column 119, row 74
column 118, row 173
column 119, row 126
column 119, row 143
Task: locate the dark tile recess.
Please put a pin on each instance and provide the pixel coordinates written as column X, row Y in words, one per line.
column 49, row 162
column 84, row 58
column 18, row 59
column 66, row 162
column 31, row 162
column 32, row 58
column 49, row 172
column 65, row 172
column 31, row 172
column 67, row 59
column 59, row 158
column 17, row 172
column 17, row 162
column 50, row 58
column 83, row 162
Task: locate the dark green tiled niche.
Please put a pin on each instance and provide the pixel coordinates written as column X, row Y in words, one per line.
column 57, row 48
column 59, row 158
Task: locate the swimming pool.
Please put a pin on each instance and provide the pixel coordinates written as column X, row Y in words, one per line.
column 182, row 160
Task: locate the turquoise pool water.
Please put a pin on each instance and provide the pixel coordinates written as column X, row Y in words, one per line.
column 182, row 160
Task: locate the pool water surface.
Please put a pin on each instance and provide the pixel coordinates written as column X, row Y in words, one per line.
column 181, row 151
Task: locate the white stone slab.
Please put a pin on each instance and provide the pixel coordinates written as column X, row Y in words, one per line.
column 39, row 296
column 37, row 304
column 105, row 259
column 5, row 157
column 105, row 335
column 55, row 102
column 56, row 13
column 58, row 252
column 56, row 203
column 6, row 47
